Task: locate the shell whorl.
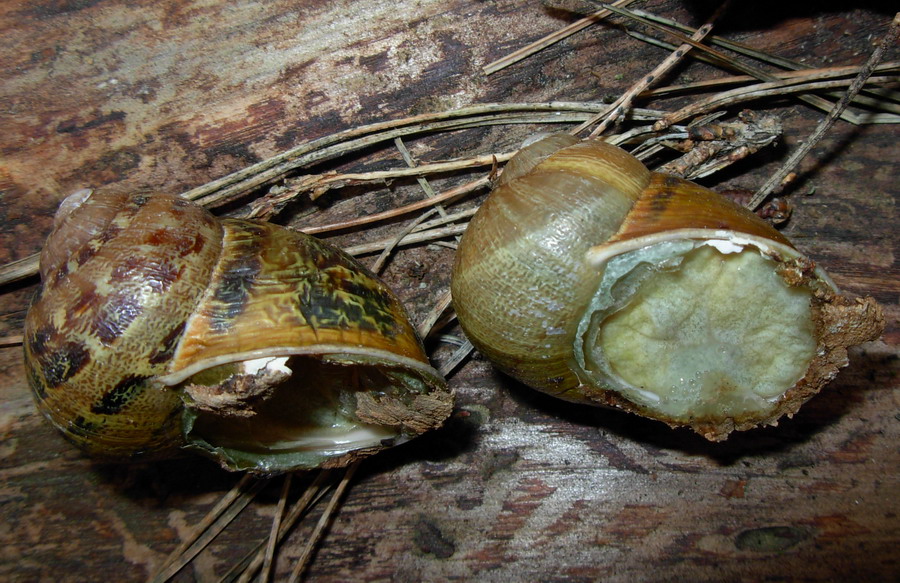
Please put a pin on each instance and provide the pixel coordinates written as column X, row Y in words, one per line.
column 586, row 276
column 153, row 315
column 122, row 274
column 525, row 231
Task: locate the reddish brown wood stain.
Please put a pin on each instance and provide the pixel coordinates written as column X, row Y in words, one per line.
column 169, row 95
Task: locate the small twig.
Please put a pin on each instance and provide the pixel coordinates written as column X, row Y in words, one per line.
column 418, row 205
column 423, row 182
column 392, row 243
column 320, row 183
column 324, row 521
column 623, row 103
column 429, row 322
column 550, row 39
column 459, row 355
column 776, row 179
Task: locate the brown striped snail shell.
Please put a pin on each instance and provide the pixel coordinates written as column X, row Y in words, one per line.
column 159, row 326
column 587, row 276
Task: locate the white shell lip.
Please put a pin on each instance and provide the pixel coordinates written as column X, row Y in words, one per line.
column 272, row 363
column 322, row 350
column 723, row 240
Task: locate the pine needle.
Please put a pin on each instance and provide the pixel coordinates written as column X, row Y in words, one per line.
column 19, row 269
column 889, row 40
column 392, row 243
column 549, row 40
column 892, row 67
column 447, row 195
column 269, row 556
column 311, row 496
column 623, row 103
column 428, row 324
column 456, row 358
column 754, row 92
column 722, row 60
column 323, row 523
column 12, row 340
column 225, row 511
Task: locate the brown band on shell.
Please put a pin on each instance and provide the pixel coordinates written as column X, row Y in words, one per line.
column 669, row 203
column 284, row 289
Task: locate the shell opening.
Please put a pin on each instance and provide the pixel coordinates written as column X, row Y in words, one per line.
column 275, row 413
column 698, row 329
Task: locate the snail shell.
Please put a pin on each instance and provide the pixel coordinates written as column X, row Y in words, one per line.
column 587, row 276
column 159, row 326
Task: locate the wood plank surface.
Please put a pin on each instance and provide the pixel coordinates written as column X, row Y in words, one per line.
column 517, row 487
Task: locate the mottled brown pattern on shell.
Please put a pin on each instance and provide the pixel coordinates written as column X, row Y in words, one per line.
column 113, row 401
column 280, row 288
column 163, row 282
column 125, row 286
column 186, row 243
column 114, row 314
column 166, row 349
column 61, row 364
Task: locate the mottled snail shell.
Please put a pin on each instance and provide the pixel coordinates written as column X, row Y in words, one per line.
column 586, row 276
column 159, row 326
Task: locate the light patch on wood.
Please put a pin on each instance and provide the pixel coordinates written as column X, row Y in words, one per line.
column 133, row 551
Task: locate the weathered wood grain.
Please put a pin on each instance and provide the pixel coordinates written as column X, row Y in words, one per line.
column 517, row 487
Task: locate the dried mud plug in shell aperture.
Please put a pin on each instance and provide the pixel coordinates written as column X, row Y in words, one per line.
column 159, row 326
column 586, row 276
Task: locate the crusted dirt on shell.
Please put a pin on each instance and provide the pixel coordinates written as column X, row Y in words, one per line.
column 236, row 395
column 425, row 412
column 841, row 322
